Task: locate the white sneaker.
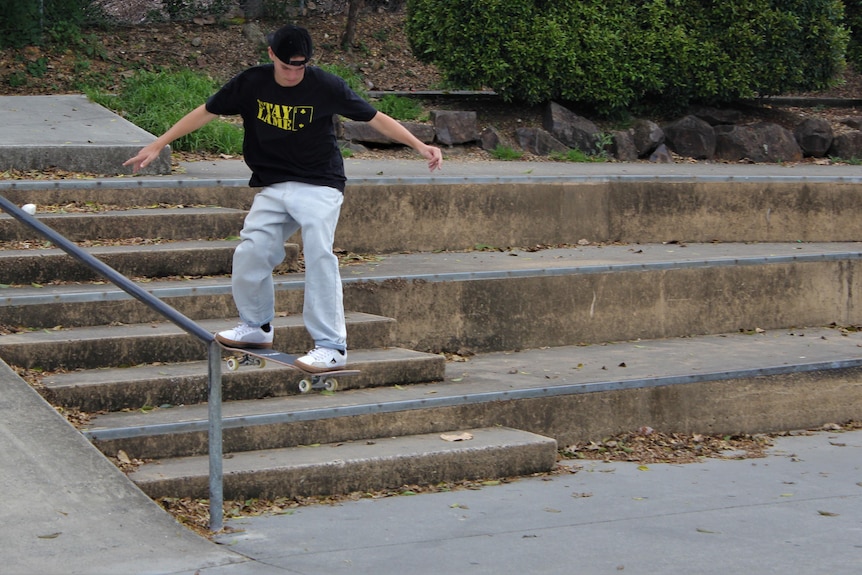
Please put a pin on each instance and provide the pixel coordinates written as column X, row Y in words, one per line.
column 322, row 359
column 245, row 335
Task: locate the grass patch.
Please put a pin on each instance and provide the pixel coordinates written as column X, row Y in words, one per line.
column 155, row 101
column 506, row 153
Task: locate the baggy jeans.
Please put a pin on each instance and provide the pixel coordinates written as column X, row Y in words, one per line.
column 277, row 212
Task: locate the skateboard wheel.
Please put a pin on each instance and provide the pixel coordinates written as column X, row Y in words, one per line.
column 261, row 363
column 304, row 386
column 330, row 384
column 232, row 363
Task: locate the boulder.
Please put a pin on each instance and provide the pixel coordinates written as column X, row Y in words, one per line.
column 814, row 136
column 490, row 139
column 623, row 146
column 762, row 142
column 363, row 132
column 647, row 137
column 691, row 137
column 539, row 142
column 847, row 146
column 661, row 155
column 572, row 130
column 455, row 127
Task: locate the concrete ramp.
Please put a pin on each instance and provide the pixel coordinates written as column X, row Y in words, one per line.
column 66, row 509
column 71, row 133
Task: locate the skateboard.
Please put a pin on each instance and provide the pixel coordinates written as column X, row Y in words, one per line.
column 325, row 380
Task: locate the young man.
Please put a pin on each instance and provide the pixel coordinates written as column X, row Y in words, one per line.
column 287, row 109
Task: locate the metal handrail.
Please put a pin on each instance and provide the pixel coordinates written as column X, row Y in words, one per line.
column 214, row 398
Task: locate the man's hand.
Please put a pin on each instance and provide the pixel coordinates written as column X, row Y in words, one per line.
column 145, row 157
column 434, row 157
column 186, row 125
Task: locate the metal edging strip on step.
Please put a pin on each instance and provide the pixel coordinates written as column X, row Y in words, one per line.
column 298, row 284
column 137, row 183
column 462, row 400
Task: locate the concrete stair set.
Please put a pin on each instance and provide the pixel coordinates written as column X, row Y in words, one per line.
column 693, row 269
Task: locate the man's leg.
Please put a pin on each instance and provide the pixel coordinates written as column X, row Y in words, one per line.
column 317, row 209
column 261, row 249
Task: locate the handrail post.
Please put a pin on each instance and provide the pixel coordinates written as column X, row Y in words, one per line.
column 216, row 473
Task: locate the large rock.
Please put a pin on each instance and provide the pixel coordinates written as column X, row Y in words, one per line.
column 691, row 137
column 453, row 127
column 539, row 142
column 623, row 146
column 763, row 142
column 647, row 137
column 363, row 132
column 814, row 136
column 572, row 130
column 847, row 146
column 490, row 139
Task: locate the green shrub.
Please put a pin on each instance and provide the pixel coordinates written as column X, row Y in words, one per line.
column 616, row 54
column 853, row 21
column 155, row 101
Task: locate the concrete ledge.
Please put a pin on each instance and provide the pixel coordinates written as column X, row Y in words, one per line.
column 93, row 139
column 342, row 468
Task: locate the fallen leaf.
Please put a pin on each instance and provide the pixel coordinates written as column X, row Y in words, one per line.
column 51, row 535
column 827, row 514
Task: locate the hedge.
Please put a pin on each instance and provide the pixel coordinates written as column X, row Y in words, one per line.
column 618, row 54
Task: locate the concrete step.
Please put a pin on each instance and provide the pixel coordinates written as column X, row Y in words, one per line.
column 729, row 383
column 127, row 345
column 459, row 213
column 178, row 223
column 364, row 466
column 132, row 193
column 169, row 385
column 486, row 301
column 145, row 260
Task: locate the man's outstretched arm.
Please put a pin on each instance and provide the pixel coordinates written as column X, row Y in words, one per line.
column 391, row 128
column 195, row 119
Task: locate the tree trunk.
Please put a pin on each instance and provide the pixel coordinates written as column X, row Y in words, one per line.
column 353, row 10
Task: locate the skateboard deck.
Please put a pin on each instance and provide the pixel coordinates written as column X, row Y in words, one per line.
column 258, row 357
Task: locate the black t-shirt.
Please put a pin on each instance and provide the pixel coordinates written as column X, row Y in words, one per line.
column 290, row 132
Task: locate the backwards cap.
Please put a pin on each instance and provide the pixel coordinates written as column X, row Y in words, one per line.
column 289, row 41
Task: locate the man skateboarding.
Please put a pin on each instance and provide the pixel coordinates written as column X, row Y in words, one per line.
column 289, row 143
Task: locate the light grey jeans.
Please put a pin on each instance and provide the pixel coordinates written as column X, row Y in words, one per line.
column 277, row 212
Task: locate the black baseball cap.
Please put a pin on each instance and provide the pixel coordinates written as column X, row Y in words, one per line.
column 290, row 41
